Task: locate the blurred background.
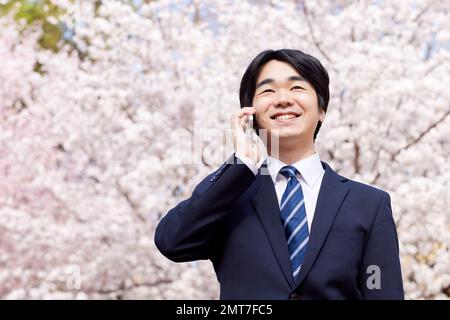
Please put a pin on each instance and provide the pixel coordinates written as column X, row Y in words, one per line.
column 102, row 102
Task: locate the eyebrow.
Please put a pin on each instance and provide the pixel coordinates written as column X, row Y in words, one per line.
column 270, row 80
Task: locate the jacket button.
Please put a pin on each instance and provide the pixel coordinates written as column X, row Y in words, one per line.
column 212, row 179
column 294, row 296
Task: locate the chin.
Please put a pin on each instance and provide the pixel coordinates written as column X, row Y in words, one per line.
column 286, row 133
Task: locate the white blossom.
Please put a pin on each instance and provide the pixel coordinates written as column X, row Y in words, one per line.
column 88, row 147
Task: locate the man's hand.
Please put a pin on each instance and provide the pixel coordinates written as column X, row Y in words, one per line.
column 245, row 145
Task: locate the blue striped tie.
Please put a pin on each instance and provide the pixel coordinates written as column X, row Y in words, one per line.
column 293, row 217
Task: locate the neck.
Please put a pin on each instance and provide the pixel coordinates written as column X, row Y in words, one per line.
column 292, row 151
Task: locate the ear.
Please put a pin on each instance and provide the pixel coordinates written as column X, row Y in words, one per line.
column 321, row 115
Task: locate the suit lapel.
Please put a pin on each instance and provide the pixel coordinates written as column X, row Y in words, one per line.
column 331, row 195
column 265, row 200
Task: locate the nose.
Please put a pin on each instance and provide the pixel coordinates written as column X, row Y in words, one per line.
column 283, row 99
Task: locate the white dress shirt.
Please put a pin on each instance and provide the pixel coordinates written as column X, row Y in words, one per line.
column 310, row 176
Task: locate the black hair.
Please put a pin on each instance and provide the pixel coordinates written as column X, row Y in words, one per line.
column 306, row 65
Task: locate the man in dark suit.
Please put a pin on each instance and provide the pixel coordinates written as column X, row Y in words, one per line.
column 276, row 222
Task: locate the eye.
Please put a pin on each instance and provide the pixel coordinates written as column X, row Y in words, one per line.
column 267, row 90
column 297, row 87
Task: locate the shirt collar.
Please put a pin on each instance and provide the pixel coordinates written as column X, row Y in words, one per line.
column 310, row 168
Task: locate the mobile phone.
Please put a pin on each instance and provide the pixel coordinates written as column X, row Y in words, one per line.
column 249, row 127
column 254, row 124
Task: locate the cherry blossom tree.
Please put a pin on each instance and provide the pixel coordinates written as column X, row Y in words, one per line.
column 100, row 139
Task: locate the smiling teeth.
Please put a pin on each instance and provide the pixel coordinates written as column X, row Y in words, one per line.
column 285, row 117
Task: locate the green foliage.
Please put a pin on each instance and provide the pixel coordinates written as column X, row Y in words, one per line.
column 37, row 12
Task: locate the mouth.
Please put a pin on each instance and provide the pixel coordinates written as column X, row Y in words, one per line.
column 284, row 117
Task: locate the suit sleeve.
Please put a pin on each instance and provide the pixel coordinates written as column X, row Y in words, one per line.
column 381, row 276
column 190, row 230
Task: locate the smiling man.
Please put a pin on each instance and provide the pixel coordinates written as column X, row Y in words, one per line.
column 281, row 224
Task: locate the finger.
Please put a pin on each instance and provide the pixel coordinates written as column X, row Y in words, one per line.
column 243, row 120
column 242, row 114
column 248, row 110
column 236, row 121
column 244, row 111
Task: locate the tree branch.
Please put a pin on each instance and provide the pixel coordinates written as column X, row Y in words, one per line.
column 386, row 136
column 311, row 30
column 432, row 68
column 133, row 206
column 356, row 163
column 123, row 288
column 425, row 9
column 420, row 137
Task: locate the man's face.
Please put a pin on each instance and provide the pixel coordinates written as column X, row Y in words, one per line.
column 286, row 102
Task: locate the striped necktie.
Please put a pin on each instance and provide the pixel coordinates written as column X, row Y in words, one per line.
column 293, row 217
